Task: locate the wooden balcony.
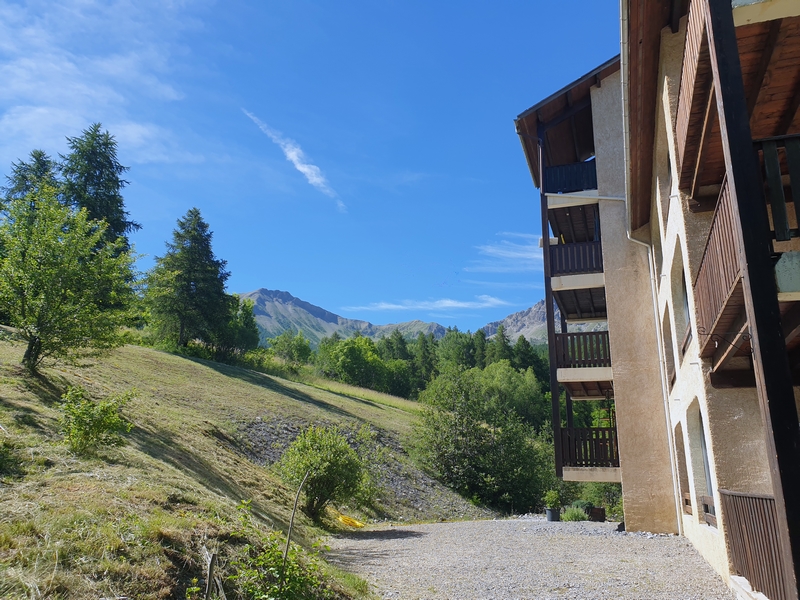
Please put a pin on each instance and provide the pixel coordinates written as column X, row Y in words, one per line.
column 589, row 447
column 583, row 364
column 755, row 548
column 722, row 325
column 695, row 100
column 581, row 350
column 780, row 158
column 574, row 177
column 575, row 259
column 718, row 287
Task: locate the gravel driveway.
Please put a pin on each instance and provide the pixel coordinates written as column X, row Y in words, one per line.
column 525, row 557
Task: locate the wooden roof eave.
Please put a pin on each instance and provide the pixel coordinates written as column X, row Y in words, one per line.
column 645, row 19
column 559, row 103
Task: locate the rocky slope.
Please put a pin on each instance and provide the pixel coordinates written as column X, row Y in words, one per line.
column 532, row 323
column 278, row 311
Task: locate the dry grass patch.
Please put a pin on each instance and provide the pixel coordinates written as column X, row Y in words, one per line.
column 133, row 521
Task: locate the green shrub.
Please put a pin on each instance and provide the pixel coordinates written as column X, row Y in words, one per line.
column 471, row 437
column 607, row 495
column 260, row 573
column 574, row 514
column 552, row 499
column 584, row 505
column 88, row 425
column 336, row 473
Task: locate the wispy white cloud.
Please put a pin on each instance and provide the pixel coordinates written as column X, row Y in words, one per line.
column 506, row 256
column 441, row 304
column 68, row 63
column 295, row 155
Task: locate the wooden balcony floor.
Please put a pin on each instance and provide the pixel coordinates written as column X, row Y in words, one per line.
column 589, row 390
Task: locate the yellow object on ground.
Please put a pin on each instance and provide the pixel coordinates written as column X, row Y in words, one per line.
column 350, row 521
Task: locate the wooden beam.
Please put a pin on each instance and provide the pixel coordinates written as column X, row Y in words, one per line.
column 766, row 59
column 541, row 135
column 571, row 226
column 790, row 322
column 589, row 234
column 567, row 113
column 573, row 128
column 770, row 360
column 675, row 16
column 708, row 123
column 550, row 313
column 727, row 349
column 788, row 117
column 577, row 304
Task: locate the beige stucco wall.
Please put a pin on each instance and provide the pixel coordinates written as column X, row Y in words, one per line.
column 647, row 481
column 730, row 418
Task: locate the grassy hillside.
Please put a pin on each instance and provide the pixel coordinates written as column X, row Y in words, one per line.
column 134, row 520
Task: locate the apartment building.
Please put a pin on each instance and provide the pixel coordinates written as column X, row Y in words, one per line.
column 669, row 211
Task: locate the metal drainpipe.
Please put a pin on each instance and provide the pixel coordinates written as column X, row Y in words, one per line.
column 624, row 43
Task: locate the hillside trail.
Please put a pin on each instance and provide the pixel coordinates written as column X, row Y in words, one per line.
column 525, row 558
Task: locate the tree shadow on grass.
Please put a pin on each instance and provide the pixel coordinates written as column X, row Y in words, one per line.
column 162, row 446
column 47, row 388
column 269, row 383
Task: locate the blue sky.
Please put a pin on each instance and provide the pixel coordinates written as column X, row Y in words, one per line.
column 360, row 155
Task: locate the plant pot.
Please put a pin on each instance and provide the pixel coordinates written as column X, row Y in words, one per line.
column 553, row 514
column 597, row 514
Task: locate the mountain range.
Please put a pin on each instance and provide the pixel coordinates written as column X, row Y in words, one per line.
column 278, row 311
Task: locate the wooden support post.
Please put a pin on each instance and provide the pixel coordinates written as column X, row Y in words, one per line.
column 771, row 363
column 550, row 311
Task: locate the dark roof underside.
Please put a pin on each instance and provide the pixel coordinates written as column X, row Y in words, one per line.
column 566, row 117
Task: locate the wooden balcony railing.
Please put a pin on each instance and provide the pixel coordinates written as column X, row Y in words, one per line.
column 574, row 259
column 709, row 510
column 589, row 447
column 574, row 177
column 751, row 524
column 693, row 93
column 719, row 271
column 781, row 156
column 587, row 349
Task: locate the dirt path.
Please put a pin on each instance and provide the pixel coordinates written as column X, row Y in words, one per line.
column 526, row 558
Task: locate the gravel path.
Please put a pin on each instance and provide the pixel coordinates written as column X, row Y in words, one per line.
column 525, row 558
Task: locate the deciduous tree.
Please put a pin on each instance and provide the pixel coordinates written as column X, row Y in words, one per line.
column 60, row 286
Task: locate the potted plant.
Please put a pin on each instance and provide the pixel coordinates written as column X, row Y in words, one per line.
column 552, row 501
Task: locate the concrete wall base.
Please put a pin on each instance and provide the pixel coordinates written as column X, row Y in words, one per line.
column 596, row 474
column 741, row 587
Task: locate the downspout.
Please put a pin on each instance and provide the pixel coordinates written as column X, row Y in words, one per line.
column 624, row 43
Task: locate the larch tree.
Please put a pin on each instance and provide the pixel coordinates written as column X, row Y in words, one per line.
column 31, row 176
column 93, row 180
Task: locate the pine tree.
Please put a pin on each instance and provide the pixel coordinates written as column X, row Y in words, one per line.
column 425, row 358
column 186, row 288
column 499, row 348
column 479, row 341
column 93, row 180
